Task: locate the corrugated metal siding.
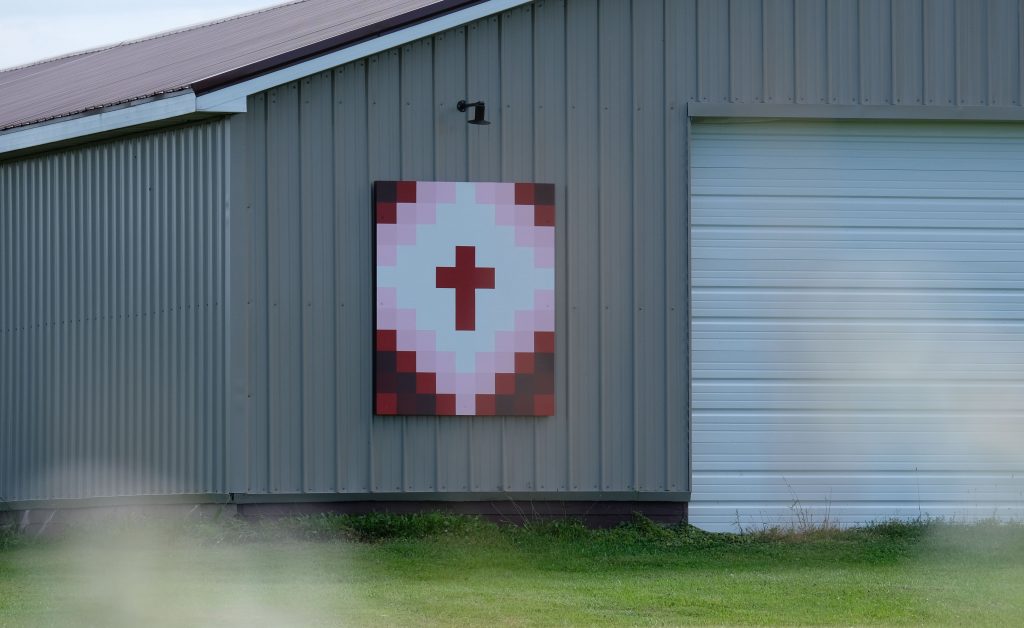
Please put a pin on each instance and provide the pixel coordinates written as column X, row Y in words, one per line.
column 576, row 97
column 858, row 322
column 588, row 94
column 844, row 52
column 112, row 318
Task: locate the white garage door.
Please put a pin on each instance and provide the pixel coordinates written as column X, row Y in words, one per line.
column 858, row 322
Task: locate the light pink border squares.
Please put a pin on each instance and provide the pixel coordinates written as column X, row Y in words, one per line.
column 504, row 361
column 544, row 257
column 505, row 193
column 505, row 215
column 505, row 340
column 406, row 319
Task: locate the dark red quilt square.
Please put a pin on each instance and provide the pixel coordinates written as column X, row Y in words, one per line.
column 426, row 383
column 543, row 384
column 524, row 363
column 544, row 341
column 544, row 215
column 386, row 340
column 505, row 383
column 445, row 404
column 387, row 213
column 544, row 194
column 485, row 405
column 405, row 191
column 406, row 362
column 544, row 405
column 416, row 404
column 524, row 193
column 387, row 403
column 523, row 405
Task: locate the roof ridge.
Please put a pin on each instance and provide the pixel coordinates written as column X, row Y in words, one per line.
column 158, row 35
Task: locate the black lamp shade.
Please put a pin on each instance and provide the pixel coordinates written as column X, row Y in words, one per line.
column 479, row 111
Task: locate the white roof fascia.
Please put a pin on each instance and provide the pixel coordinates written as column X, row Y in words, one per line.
column 99, row 122
column 232, row 98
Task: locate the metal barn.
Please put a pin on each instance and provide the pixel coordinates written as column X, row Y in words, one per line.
column 789, row 235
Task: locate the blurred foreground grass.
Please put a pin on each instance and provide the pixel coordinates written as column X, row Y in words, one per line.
column 444, row 570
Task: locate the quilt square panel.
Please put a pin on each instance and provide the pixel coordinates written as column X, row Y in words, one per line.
column 465, row 298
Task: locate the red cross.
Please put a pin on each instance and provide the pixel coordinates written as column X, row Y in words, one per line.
column 466, row 278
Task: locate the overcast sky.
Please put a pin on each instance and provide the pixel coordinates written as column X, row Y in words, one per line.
column 31, row 30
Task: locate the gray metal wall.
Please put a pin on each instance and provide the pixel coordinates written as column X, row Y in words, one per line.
column 587, row 94
column 566, row 107
column 112, row 318
column 866, row 52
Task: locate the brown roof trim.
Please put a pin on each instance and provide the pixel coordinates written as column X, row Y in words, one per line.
column 330, row 44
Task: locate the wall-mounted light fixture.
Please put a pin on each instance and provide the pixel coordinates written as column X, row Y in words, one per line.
column 478, row 110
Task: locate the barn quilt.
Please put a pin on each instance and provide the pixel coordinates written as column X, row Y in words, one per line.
column 465, row 300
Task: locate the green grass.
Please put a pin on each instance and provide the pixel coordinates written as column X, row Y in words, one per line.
column 442, row 570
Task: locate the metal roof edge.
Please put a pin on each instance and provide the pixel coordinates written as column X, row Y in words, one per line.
column 330, row 44
column 232, row 87
column 227, row 92
column 102, row 121
column 149, row 37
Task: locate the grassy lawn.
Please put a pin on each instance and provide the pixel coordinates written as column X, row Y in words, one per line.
column 439, row 570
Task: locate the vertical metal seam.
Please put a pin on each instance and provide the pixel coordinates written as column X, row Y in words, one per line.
column 794, row 95
column 301, row 286
column 370, row 479
column 858, row 82
column 336, row 87
column 1015, row 78
column 666, row 124
column 436, row 483
column 503, row 121
column 983, row 70
column 699, row 74
column 763, row 69
column 264, row 165
column 227, row 311
column 956, row 52
column 602, row 436
column 827, row 53
column 892, row 58
column 634, row 484
column 729, row 96
column 569, row 462
column 403, row 463
column 924, row 53
column 634, row 252
column 334, row 281
column 688, row 196
column 532, row 108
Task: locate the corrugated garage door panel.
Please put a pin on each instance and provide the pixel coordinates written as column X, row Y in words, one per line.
column 858, row 321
